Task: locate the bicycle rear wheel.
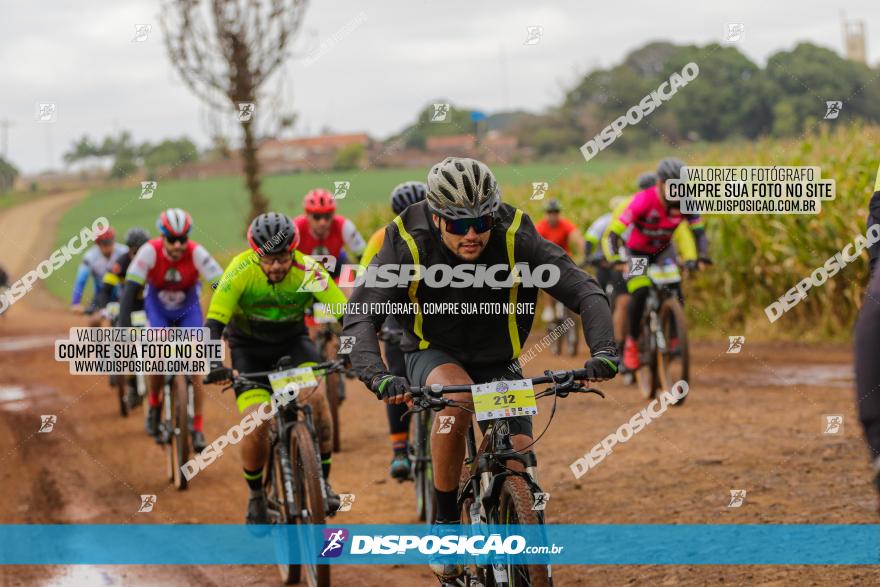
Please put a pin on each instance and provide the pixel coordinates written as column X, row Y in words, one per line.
column 673, row 362
column 178, row 448
column 572, row 335
column 308, row 499
column 515, row 507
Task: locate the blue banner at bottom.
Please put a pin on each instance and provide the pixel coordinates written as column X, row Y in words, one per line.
column 738, row 544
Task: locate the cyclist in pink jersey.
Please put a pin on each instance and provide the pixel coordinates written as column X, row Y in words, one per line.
column 653, row 219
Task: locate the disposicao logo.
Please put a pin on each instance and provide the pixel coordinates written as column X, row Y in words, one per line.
column 334, row 542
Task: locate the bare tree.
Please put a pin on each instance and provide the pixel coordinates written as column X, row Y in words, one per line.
column 226, row 51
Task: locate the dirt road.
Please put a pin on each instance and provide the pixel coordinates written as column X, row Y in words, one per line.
column 753, row 421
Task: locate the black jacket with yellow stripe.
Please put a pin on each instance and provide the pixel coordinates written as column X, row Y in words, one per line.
column 473, row 339
column 874, row 218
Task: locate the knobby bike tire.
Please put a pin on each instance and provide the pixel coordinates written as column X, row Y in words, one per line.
column 277, row 498
column 423, row 474
column 646, row 374
column 179, row 445
column 122, row 391
column 333, row 402
column 515, row 507
column 671, row 313
column 572, row 335
column 309, row 498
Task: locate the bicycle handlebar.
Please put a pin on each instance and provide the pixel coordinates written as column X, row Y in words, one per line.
column 328, row 367
column 564, row 383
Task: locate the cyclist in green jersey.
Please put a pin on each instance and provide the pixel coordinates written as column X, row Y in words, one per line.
column 261, row 303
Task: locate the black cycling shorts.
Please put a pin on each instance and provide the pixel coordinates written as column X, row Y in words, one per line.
column 419, row 365
column 253, row 357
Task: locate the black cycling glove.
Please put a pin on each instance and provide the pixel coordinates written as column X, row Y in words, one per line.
column 602, row 367
column 218, row 373
column 388, row 386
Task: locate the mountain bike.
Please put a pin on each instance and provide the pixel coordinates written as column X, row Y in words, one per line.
column 563, row 330
column 293, row 481
column 418, row 448
column 175, row 429
column 664, row 352
column 490, row 492
column 328, row 339
column 131, row 388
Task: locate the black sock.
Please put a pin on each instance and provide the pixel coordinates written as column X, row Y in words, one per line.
column 326, row 459
column 447, row 506
column 254, row 479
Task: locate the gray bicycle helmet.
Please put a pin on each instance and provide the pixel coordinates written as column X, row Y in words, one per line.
column 462, row 188
column 407, row 194
column 647, row 180
column 669, row 168
column 273, row 233
column 553, row 206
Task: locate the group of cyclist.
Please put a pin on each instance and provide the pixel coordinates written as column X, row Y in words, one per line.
column 261, row 308
column 645, row 224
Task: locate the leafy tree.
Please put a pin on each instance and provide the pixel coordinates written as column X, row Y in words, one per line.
column 348, row 157
column 169, row 153
column 8, row 174
column 712, row 105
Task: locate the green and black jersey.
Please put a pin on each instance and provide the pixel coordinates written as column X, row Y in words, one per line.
column 475, row 338
column 257, row 311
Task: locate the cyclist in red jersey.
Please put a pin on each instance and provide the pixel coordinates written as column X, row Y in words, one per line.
column 170, row 267
column 324, row 233
column 563, row 233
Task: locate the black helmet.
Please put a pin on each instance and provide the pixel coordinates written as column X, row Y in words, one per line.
column 669, row 168
column 273, row 233
column 553, row 206
column 647, row 180
column 407, row 194
column 136, row 237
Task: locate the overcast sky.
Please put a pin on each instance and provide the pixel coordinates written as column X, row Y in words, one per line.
column 398, row 56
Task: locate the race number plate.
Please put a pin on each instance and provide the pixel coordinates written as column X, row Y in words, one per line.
column 664, row 274
column 322, row 314
column 504, row 399
column 139, row 318
column 304, row 377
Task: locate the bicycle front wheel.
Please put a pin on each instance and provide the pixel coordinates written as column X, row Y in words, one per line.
column 646, row 374
column 515, row 507
column 308, row 499
column 673, row 361
column 420, row 457
column 333, row 401
column 178, row 448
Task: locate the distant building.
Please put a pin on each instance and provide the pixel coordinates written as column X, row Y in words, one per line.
column 306, row 154
column 451, row 145
column 854, row 40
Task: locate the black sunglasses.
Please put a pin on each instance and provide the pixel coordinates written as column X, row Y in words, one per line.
column 322, row 216
column 461, row 226
column 177, row 239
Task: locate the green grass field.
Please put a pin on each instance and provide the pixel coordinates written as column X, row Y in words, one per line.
column 219, row 206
